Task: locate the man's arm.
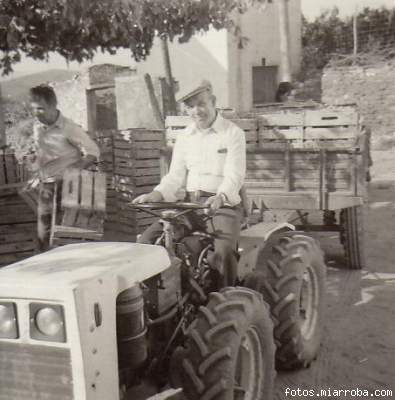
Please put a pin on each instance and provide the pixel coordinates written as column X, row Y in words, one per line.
column 89, row 149
column 176, row 176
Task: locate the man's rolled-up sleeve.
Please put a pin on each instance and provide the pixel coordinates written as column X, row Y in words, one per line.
column 175, row 178
column 235, row 166
column 79, row 138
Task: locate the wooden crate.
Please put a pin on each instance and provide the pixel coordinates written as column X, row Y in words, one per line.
column 83, row 208
column 280, row 126
column 137, row 170
column 321, row 128
column 18, row 228
column 315, row 173
column 175, row 125
column 9, row 168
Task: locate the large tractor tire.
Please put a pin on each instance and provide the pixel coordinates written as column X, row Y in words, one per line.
column 229, row 353
column 352, row 236
column 290, row 274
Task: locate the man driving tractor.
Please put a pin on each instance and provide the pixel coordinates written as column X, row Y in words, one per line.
column 209, row 161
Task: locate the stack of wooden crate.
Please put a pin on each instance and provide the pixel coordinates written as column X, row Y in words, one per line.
column 105, row 141
column 18, row 228
column 175, row 125
column 136, row 171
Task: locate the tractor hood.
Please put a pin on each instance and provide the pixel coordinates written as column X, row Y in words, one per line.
column 70, row 265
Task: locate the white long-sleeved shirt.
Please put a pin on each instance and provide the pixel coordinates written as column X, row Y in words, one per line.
column 212, row 160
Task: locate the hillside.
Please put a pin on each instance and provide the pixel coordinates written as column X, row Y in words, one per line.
column 16, row 89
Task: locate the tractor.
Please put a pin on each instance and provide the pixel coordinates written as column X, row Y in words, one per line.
column 94, row 321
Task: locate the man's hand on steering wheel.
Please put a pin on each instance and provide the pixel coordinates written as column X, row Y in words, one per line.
column 215, row 202
column 152, row 197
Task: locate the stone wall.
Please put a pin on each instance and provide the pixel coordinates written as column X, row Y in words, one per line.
column 78, row 100
column 136, row 107
column 372, row 89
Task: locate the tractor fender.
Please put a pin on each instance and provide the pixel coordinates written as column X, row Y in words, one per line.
column 252, row 240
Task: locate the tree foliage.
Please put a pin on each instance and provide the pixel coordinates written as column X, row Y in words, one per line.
column 330, row 35
column 76, row 29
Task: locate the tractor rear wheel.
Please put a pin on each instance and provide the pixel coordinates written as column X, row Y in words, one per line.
column 290, row 274
column 229, row 353
column 352, row 236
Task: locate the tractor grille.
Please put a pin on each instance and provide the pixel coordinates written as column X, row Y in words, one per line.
column 29, row 372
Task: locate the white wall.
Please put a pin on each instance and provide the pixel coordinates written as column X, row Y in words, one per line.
column 215, row 55
column 261, row 26
column 203, row 57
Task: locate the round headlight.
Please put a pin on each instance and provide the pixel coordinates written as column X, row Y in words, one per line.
column 7, row 319
column 48, row 321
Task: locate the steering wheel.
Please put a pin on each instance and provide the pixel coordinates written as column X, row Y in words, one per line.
column 183, row 206
column 168, row 205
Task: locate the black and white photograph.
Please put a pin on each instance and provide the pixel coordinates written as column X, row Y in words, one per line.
column 197, row 199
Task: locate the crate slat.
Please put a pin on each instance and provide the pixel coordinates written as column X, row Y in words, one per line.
column 18, row 247
column 333, row 132
column 264, row 164
column 86, row 190
column 246, row 124
column 264, row 174
column 330, row 117
column 283, row 119
column 71, row 183
column 280, row 133
column 99, row 200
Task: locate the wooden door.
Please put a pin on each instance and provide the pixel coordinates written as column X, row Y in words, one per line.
column 264, row 84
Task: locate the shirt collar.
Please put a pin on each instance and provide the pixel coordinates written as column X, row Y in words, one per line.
column 216, row 127
column 59, row 123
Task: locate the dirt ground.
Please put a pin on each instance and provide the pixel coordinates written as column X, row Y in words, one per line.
column 358, row 347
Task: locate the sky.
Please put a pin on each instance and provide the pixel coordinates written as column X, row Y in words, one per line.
column 310, row 8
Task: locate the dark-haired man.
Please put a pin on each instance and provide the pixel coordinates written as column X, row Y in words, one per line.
column 59, row 144
column 209, row 158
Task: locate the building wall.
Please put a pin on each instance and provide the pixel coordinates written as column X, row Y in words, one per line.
column 75, row 102
column 215, row 55
column 260, row 26
column 371, row 89
column 203, row 57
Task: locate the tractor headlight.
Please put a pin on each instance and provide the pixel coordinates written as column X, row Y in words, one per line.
column 8, row 321
column 47, row 322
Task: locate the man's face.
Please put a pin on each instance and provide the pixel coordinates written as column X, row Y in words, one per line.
column 201, row 108
column 42, row 110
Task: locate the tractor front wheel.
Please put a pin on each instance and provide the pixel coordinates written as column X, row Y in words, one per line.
column 229, row 353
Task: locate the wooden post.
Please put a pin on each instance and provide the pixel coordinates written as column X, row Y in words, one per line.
column 355, row 34
column 2, row 124
column 169, row 76
column 154, row 101
column 283, row 22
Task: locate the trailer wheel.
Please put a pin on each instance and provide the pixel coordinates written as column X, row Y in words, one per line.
column 229, row 353
column 290, row 273
column 352, row 236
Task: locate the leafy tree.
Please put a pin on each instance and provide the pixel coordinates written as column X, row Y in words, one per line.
column 76, row 29
column 329, row 35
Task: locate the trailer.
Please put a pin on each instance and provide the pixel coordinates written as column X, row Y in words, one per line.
column 301, row 161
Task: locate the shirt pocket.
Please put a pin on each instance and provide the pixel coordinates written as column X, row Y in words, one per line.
column 219, row 158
